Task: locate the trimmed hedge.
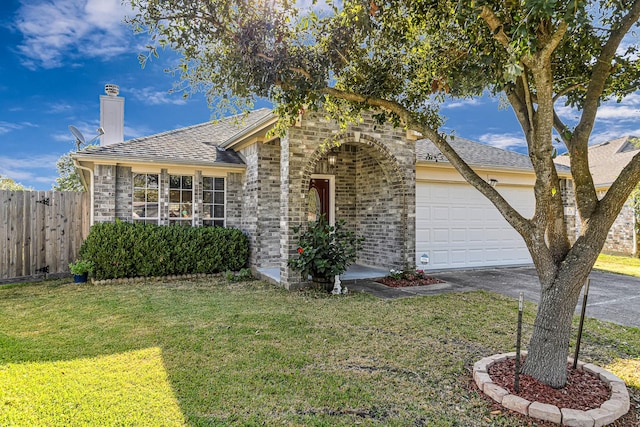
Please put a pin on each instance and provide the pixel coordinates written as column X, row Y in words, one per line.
column 124, row 249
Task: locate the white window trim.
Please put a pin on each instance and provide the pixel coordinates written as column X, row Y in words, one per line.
column 224, row 201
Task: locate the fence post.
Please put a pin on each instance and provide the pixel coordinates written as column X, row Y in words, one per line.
column 516, row 385
column 579, row 337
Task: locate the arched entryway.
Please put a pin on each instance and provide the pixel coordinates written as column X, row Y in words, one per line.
column 367, row 190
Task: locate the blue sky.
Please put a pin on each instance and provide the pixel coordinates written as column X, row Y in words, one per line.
column 58, row 55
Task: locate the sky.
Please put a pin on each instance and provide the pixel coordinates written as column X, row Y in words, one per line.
column 57, row 56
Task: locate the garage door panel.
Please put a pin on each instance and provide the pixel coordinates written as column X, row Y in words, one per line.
column 458, row 235
column 459, row 257
column 475, row 235
column 440, row 258
column 476, row 213
column 441, row 235
column 458, row 214
column 475, row 255
column 458, row 227
column 440, row 213
column 492, row 234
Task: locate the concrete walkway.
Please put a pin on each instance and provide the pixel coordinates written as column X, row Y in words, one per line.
column 612, row 297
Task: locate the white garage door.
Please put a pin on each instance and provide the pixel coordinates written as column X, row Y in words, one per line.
column 457, row 227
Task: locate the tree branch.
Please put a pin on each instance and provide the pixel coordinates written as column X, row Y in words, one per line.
column 561, row 128
column 620, row 190
column 527, row 97
column 568, row 89
column 495, row 25
column 602, row 69
column 586, row 197
column 555, row 40
column 513, row 217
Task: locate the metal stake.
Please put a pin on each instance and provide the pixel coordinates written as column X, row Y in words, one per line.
column 579, row 338
column 516, row 385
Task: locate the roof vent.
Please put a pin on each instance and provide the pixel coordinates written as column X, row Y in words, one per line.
column 111, row 89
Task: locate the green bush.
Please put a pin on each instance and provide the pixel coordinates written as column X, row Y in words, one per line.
column 325, row 250
column 123, row 249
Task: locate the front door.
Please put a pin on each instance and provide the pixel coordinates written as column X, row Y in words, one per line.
column 319, row 199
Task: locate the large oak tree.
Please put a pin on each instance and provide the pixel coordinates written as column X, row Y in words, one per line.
column 402, row 58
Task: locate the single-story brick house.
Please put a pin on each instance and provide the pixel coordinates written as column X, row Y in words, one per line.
column 394, row 189
column 606, row 161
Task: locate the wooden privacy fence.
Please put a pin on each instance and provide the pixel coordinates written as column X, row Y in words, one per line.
column 40, row 232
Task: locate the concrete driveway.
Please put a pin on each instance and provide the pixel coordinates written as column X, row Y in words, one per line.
column 612, row 297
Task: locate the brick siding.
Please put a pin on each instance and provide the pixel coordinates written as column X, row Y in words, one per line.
column 375, row 188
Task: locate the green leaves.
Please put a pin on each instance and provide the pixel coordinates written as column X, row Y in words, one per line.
column 123, row 249
column 325, row 250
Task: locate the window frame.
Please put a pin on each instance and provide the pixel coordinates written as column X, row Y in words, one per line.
column 182, row 190
column 214, row 220
column 146, row 203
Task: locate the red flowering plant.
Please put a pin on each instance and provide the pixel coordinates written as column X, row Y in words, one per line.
column 324, row 250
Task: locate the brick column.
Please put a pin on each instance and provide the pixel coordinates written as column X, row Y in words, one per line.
column 570, row 209
column 104, row 190
column 124, row 198
column 290, row 208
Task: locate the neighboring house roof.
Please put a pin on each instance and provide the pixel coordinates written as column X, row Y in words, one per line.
column 607, row 160
column 197, row 144
column 474, row 154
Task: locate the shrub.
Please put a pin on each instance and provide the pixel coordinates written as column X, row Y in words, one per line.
column 81, row 267
column 123, row 249
column 325, row 250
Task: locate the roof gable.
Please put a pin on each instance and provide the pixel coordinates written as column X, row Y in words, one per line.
column 606, row 160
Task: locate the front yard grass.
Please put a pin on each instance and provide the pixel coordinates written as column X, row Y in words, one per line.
column 618, row 264
column 207, row 353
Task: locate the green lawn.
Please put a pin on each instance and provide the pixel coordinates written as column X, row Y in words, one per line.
column 208, row 353
column 618, row 264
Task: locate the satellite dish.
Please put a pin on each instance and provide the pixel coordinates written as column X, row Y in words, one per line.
column 80, row 138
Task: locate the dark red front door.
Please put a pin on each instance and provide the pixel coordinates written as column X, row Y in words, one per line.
column 321, row 187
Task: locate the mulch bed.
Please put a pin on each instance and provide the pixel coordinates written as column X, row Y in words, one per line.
column 583, row 391
column 402, row 283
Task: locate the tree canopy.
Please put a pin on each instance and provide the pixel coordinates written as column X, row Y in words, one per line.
column 403, row 58
column 7, row 183
column 69, row 178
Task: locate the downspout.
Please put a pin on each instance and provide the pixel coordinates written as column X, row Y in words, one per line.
column 78, row 166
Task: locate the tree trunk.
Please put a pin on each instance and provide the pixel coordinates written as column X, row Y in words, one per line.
column 549, row 345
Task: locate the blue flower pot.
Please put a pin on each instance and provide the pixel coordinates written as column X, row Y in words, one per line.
column 80, row 278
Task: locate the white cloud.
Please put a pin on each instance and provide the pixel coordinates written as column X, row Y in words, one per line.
column 33, row 169
column 613, row 119
column 461, row 103
column 611, row 112
column 151, row 96
column 137, row 132
column 59, row 107
column 613, row 132
column 55, row 33
column 6, row 127
column 505, row 141
column 628, row 109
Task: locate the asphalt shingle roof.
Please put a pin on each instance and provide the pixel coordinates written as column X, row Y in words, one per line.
column 474, row 153
column 607, row 160
column 200, row 144
column 194, row 144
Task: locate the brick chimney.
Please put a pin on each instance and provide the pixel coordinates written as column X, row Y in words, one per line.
column 111, row 115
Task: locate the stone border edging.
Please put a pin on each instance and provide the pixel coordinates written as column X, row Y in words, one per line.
column 608, row 412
